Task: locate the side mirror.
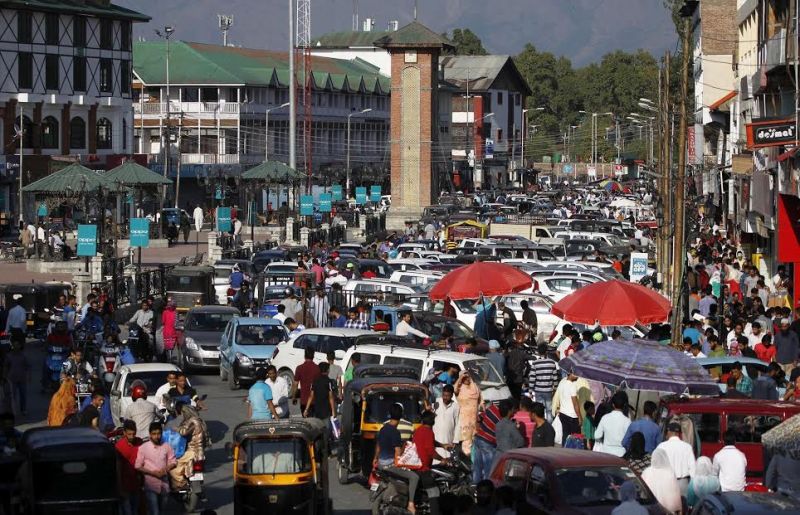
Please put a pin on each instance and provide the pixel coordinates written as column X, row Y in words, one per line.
column 116, row 393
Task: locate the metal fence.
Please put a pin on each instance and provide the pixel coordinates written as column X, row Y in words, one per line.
column 376, row 226
column 123, row 290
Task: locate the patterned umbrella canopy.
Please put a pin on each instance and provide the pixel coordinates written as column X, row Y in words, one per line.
column 784, row 438
column 131, row 173
column 71, row 178
column 273, row 171
column 641, row 365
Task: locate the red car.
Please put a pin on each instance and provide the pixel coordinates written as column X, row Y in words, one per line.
column 749, row 419
column 569, row 481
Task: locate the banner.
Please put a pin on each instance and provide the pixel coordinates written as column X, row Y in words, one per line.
column 325, row 202
column 42, row 211
column 140, row 232
column 361, row 195
column 87, row 240
column 224, row 219
column 771, row 133
column 336, row 192
column 306, row 205
column 375, row 193
column 638, row 266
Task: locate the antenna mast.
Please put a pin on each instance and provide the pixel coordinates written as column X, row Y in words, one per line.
column 225, row 23
column 303, row 56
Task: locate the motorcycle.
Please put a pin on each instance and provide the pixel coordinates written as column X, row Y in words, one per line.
column 108, row 363
column 139, row 343
column 53, row 364
column 191, row 492
column 389, row 495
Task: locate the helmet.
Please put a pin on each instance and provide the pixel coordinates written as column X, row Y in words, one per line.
column 139, row 391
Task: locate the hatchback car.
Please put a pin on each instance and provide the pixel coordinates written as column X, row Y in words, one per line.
column 248, row 344
column 202, row 328
column 153, row 375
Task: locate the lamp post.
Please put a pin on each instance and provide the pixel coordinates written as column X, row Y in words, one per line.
column 266, row 129
column 524, row 134
column 347, row 165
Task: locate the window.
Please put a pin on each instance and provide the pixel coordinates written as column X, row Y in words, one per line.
column 49, row 132
column 124, row 134
column 78, row 32
column 24, row 27
column 749, row 428
column 25, row 70
column 125, row 35
column 106, row 34
column 79, row 73
column 106, row 75
column 499, row 98
column 51, row 71
column 77, row 133
column 51, row 28
column 515, row 472
column 125, row 76
column 416, row 364
column 707, row 426
column 369, row 359
column 103, row 133
column 274, row 456
column 499, row 134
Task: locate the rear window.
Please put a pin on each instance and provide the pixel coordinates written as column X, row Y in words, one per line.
column 260, row 334
column 411, row 362
column 749, row 428
column 153, row 380
column 274, row 456
column 208, row 321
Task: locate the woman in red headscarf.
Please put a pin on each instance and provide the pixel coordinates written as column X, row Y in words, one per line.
column 169, row 319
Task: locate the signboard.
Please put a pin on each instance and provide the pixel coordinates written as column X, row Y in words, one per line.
column 336, row 192
column 325, row 200
column 690, row 145
column 87, row 240
column 568, row 168
column 361, row 195
column 42, row 211
column 638, row 266
column 618, row 170
column 771, row 133
column 489, row 151
column 306, row 205
column 591, row 171
column 224, row 219
column 219, row 194
column 140, row 232
column 375, row 193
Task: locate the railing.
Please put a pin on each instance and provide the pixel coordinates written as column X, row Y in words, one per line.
column 351, row 217
column 296, row 230
column 114, row 267
column 200, row 159
column 160, row 108
column 376, row 226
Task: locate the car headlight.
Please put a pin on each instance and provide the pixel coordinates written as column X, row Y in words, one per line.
column 191, row 345
column 243, row 359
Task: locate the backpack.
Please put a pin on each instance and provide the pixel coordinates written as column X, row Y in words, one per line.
column 575, row 441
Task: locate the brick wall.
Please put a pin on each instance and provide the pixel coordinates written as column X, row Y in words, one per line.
column 718, row 19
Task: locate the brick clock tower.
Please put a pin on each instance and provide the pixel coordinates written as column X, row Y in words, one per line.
column 414, row 50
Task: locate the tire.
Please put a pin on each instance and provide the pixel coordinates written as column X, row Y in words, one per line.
column 232, row 383
column 287, row 375
column 191, row 502
column 342, row 474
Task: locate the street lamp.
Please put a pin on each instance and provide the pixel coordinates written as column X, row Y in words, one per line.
column 166, row 34
column 266, row 129
column 524, row 134
column 347, row 165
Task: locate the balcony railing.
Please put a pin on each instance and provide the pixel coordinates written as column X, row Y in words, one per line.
column 209, row 159
column 211, row 108
column 776, row 50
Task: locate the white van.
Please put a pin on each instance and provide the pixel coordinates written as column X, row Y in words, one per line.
column 493, row 386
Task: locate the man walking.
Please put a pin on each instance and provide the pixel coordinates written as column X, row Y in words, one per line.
column 732, row 464
column 320, row 307
column 680, row 454
column 259, row 399
column 787, row 347
column 446, row 410
column 128, row 450
column 542, row 378
column 647, row 426
column 485, row 444
column 198, row 218
column 569, row 410
column 154, row 460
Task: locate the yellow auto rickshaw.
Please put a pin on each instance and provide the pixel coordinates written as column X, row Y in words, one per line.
column 280, row 466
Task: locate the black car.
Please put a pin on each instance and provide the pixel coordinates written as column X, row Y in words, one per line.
column 746, row 503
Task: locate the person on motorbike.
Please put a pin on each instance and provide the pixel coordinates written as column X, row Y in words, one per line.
column 141, row 411
column 76, row 368
column 389, row 447
column 243, row 298
column 60, row 336
column 182, row 392
column 92, row 323
column 236, row 278
column 109, row 325
column 194, row 429
column 143, row 318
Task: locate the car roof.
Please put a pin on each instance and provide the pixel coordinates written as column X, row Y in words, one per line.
column 566, row 458
column 336, row 331
column 225, row 263
column 150, row 367
column 213, row 309
column 283, row 263
column 435, row 354
column 255, row 321
column 731, row 405
column 40, row 437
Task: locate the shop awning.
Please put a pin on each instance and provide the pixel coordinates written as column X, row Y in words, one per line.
column 722, row 103
column 788, row 154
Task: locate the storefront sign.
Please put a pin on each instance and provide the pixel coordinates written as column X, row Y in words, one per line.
column 42, row 211
column 375, row 193
column 325, row 202
column 638, row 266
column 140, row 232
column 336, row 191
column 87, row 240
column 361, row 195
column 224, row 219
column 771, row 133
column 306, row 205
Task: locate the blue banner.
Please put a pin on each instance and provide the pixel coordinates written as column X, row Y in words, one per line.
column 224, row 219
column 361, row 195
column 140, row 232
column 375, row 193
column 42, row 211
column 219, row 193
column 336, row 191
column 306, row 205
column 325, row 201
column 87, row 240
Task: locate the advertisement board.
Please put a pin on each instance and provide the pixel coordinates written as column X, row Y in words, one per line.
column 87, row 240
column 140, row 232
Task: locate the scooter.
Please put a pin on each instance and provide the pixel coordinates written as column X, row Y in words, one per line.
column 53, row 365
column 190, row 494
column 108, row 363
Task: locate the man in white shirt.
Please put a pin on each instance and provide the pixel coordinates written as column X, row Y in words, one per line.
column 680, row 454
column 163, row 390
column 404, row 326
column 446, row 424
column 280, row 391
column 731, row 465
column 197, row 214
column 612, row 428
column 756, row 334
column 569, row 412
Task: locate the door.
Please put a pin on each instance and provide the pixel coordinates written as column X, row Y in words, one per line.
column 225, row 348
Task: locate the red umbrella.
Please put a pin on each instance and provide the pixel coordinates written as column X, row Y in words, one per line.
column 480, row 278
column 613, row 302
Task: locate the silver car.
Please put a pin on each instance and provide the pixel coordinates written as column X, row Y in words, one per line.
column 200, row 334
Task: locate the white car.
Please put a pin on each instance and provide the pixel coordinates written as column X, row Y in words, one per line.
column 290, row 354
column 557, row 287
column 416, row 278
column 222, row 276
column 280, row 272
column 154, row 375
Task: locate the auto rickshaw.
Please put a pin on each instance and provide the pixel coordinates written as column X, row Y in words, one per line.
column 280, row 466
column 365, row 408
column 38, row 300
column 69, row 470
column 191, row 286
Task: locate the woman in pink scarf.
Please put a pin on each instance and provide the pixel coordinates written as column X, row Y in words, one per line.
column 168, row 320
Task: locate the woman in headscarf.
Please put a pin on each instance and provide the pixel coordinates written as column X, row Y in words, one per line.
column 170, row 335
column 637, row 457
column 62, row 404
column 468, row 396
column 704, row 481
column 629, row 504
column 660, row 478
column 194, row 429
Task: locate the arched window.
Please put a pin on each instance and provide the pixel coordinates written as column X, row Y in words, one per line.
column 77, row 133
column 50, row 132
column 27, row 132
column 103, row 133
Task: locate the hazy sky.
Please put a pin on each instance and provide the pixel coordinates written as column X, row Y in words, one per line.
column 582, row 30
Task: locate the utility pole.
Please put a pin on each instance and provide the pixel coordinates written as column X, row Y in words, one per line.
column 666, row 171
column 21, row 153
column 225, row 22
column 292, row 95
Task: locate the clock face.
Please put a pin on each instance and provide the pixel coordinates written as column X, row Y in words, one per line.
column 411, row 56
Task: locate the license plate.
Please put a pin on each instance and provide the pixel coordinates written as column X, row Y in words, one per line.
column 197, row 476
column 29, row 322
column 374, row 487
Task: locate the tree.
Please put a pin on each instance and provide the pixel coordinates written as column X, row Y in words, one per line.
column 465, row 42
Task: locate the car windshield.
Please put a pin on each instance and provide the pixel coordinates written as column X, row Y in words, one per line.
column 152, row 379
column 434, row 329
column 598, row 485
column 261, row 334
column 483, row 370
column 274, row 456
column 465, row 306
column 207, row 321
column 378, row 404
column 280, row 269
column 186, row 283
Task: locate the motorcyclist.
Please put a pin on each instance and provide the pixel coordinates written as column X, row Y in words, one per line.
column 141, row 411
column 92, row 323
column 76, row 368
column 60, row 336
column 144, row 319
column 236, row 278
column 196, row 432
column 243, row 298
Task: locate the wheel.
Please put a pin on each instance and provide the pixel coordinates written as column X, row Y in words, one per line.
column 342, row 474
column 223, row 376
column 233, row 384
column 287, row 376
column 191, row 501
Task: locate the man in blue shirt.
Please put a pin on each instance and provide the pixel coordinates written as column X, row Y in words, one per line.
column 17, row 317
column 449, row 375
column 646, row 426
column 337, row 319
column 236, row 278
column 692, row 331
column 259, row 398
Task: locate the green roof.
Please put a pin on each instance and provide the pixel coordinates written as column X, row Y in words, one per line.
column 348, row 39
column 131, row 173
column 200, row 63
column 74, row 177
column 98, row 8
column 413, row 35
column 273, row 171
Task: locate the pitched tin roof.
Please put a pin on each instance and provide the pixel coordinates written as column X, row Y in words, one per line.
column 201, row 63
column 480, row 70
column 89, row 8
column 413, row 35
column 349, row 39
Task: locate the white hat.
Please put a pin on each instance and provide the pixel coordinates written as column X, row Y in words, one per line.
column 785, row 321
column 698, row 317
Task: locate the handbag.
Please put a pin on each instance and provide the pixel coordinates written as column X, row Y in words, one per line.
column 409, row 458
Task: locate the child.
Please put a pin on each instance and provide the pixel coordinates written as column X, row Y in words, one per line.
column 588, row 424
